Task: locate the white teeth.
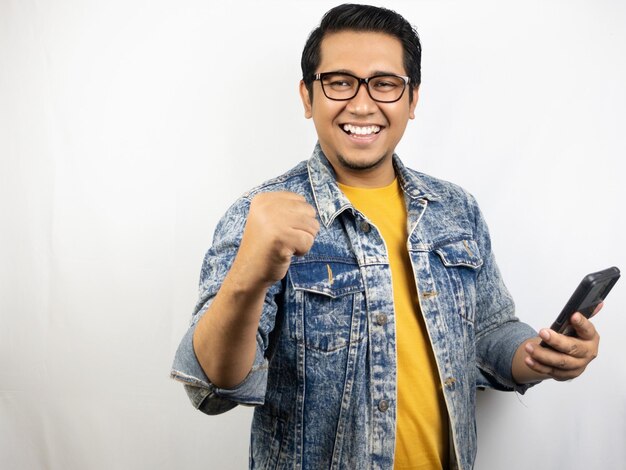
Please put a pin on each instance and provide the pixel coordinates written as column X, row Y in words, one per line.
column 367, row 130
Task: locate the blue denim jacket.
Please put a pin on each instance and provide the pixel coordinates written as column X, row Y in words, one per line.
column 324, row 377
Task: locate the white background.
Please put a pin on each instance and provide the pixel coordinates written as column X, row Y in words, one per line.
column 128, row 127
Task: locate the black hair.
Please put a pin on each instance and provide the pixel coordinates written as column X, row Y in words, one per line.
column 369, row 18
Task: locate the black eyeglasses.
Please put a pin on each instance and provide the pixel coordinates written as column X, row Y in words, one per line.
column 341, row 86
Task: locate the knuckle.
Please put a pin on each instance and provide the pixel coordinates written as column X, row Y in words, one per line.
column 283, row 250
column 295, row 198
column 564, row 375
column 264, row 196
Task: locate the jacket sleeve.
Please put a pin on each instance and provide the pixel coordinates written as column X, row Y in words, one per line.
column 203, row 394
column 498, row 331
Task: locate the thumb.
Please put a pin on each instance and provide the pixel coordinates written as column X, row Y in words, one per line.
column 584, row 328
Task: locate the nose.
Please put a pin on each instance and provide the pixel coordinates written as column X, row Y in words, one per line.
column 362, row 103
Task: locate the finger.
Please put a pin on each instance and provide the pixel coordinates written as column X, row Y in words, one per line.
column 554, row 372
column 549, row 371
column 569, row 345
column 584, row 328
column 314, row 227
column 597, row 310
column 272, row 197
column 562, row 375
column 303, row 208
column 302, row 242
column 311, row 226
column 291, row 195
column 303, row 216
column 307, row 224
column 294, row 208
column 539, row 367
column 554, row 359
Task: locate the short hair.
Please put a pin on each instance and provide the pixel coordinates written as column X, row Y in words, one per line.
column 365, row 18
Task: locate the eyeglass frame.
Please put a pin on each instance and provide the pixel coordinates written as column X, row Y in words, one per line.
column 361, row 81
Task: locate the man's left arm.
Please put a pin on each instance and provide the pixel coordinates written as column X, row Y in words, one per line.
column 567, row 359
column 509, row 356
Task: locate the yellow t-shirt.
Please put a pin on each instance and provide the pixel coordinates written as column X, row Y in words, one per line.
column 422, row 419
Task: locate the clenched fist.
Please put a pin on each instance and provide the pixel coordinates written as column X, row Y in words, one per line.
column 280, row 225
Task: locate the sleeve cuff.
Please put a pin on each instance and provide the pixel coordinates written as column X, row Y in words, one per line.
column 207, row 397
column 496, row 373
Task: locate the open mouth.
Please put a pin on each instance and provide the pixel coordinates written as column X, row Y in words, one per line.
column 351, row 129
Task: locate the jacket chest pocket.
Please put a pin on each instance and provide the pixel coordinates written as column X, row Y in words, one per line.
column 461, row 263
column 329, row 298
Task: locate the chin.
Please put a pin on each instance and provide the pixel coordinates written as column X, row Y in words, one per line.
column 360, row 164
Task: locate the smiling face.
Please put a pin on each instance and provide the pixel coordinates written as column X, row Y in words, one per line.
column 359, row 136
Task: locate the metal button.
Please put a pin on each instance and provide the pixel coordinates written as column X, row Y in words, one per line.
column 383, row 405
column 381, row 319
column 365, row 226
column 449, row 382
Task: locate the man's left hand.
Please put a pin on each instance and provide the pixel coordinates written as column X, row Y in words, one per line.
column 570, row 356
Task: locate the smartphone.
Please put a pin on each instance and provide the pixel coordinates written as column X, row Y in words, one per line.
column 591, row 291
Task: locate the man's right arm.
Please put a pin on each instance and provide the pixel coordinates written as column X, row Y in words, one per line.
column 279, row 225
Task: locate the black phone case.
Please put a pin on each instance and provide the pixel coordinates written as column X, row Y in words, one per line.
column 591, row 291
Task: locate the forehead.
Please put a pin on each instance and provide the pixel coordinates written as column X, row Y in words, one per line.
column 362, row 53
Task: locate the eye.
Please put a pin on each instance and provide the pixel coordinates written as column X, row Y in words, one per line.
column 386, row 83
column 339, row 82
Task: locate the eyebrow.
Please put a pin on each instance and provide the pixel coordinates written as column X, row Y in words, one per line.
column 374, row 73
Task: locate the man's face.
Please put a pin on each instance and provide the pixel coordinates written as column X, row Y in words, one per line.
column 344, row 128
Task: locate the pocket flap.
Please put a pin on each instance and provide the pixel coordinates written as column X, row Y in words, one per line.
column 332, row 278
column 461, row 253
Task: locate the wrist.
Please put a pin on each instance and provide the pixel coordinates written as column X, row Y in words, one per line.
column 243, row 278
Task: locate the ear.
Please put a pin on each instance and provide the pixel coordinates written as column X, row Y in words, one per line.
column 306, row 100
column 413, row 103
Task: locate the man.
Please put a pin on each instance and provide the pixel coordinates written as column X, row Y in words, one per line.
column 356, row 303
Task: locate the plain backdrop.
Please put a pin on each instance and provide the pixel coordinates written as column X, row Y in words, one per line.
column 127, row 127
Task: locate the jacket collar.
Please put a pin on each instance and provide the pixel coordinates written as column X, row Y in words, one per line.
column 331, row 201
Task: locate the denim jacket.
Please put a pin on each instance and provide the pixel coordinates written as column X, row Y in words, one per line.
column 324, row 377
